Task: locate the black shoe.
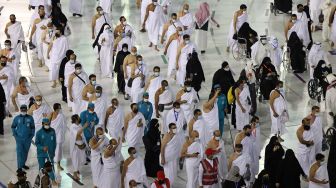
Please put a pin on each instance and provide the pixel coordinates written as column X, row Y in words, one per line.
column 26, row 167
column 88, row 160
column 181, row 164
column 74, row 15
column 203, row 52
column 79, row 15
column 19, row 170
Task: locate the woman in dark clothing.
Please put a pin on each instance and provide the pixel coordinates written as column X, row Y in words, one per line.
column 263, row 180
column 58, row 19
column 297, row 55
column 332, row 160
column 194, row 72
column 249, row 35
column 2, row 109
column 289, row 171
column 118, row 68
column 152, row 143
column 268, row 77
column 234, row 179
column 96, row 43
column 273, row 156
column 224, row 78
column 61, row 73
column 320, row 73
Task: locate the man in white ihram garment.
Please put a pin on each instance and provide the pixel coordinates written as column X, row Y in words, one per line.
column 275, row 53
column 114, row 119
column 316, row 125
column 315, row 11
column 6, row 78
column 278, row 108
column 330, row 99
column 77, row 145
column 56, row 53
column 39, row 111
column 98, row 20
column 188, row 99
column 183, row 51
column 243, row 105
column 143, row 9
column 139, row 73
column 305, row 152
column 134, row 127
column 187, row 19
column 192, row 151
column 316, row 54
column 242, row 160
column 58, row 123
column 217, row 143
column 176, row 116
column 163, row 103
column 21, row 94
column 318, row 173
column 123, row 33
column 154, row 20
column 210, row 112
column 244, row 137
column 170, row 150
column 134, row 169
column 198, row 124
column 100, row 101
column 326, row 8
column 106, row 40
column 12, row 60
column 48, row 36
column 68, row 70
column 299, row 24
column 239, row 17
column 169, row 28
column 15, row 34
column 76, row 7
column 152, row 85
column 106, row 5
column 77, row 81
column 129, row 61
column 260, row 50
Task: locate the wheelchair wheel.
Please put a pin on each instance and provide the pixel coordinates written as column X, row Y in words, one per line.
column 330, row 134
column 236, row 51
column 312, row 89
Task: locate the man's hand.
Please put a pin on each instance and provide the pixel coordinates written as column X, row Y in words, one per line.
column 243, row 109
column 324, row 181
column 275, row 114
column 163, row 160
column 71, row 98
column 45, row 148
column 157, row 115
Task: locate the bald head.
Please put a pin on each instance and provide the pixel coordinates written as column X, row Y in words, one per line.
column 113, row 141
column 194, row 134
column 217, row 133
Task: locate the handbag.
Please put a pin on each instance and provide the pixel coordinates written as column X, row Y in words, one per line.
column 284, row 117
column 130, row 82
column 161, row 107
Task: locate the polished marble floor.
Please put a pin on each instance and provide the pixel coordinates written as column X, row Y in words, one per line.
column 80, row 41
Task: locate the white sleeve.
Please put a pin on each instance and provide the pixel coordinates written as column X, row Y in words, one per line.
column 200, row 174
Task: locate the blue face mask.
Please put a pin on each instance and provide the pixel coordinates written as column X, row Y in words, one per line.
column 199, row 118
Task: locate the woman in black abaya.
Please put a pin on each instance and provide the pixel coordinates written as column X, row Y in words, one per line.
column 194, row 72
column 297, row 55
column 152, row 143
column 320, row 73
column 273, row 156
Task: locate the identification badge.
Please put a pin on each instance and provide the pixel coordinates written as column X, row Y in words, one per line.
column 158, row 143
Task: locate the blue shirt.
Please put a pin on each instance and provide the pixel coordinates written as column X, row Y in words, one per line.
column 92, row 119
column 221, row 103
column 23, row 127
column 43, row 139
column 146, row 108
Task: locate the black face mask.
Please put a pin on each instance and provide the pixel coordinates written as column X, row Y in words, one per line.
column 12, row 21
column 57, row 35
column 135, row 111
column 306, row 127
column 247, row 134
column 41, row 16
column 3, row 64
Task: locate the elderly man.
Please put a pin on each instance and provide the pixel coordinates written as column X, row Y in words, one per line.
column 152, row 85
column 188, row 99
column 198, row 124
column 133, row 169
column 114, row 119
column 170, row 150
column 187, row 19
column 192, row 151
column 23, row 128
column 134, row 127
column 39, row 110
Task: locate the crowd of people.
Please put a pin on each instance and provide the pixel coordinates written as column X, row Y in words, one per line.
column 175, row 129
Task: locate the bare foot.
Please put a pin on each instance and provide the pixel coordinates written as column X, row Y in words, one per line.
column 156, row 48
column 55, row 183
column 150, row 44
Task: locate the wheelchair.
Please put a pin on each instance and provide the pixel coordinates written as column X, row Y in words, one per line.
column 315, row 90
column 239, row 49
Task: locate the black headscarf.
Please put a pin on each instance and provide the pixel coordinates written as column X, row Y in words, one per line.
column 291, row 162
column 320, row 72
column 153, row 130
column 58, row 18
column 194, row 69
column 332, row 161
column 294, row 41
column 262, row 180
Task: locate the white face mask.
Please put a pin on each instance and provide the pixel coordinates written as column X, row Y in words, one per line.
column 323, row 162
column 101, row 12
column 227, row 68
column 197, row 139
column 125, row 49
column 177, row 109
column 124, row 23
column 140, row 62
column 187, row 41
column 78, row 71
column 134, row 53
column 282, row 90
column 165, row 87
column 244, row 12
column 156, row 74
column 26, row 84
column 72, row 61
column 238, row 153
column 7, row 47
column 145, row 100
column 294, row 21
column 317, row 114
column 174, row 130
column 185, row 11
column 217, row 138
column 323, row 65
column 47, row 127
column 98, row 94
column 93, row 82
column 200, row 117
column 100, row 136
column 155, row 3
column 188, row 89
column 23, row 113
column 39, row 102
column 135, row 155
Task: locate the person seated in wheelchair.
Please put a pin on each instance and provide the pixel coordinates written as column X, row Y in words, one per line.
column 320, row 73
column 259, row 50
column 297, row 53
column 268, row 77
column 316, row 54
column 284, row 6
column 247, row 33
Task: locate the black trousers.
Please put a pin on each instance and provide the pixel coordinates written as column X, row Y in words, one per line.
column 64, row 92
column 1, row 125
column 121, row 82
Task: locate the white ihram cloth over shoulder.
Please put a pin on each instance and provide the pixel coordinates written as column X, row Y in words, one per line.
column 144, row 4
column 77, row 88
column 316, row 54
column 137, row 90
column 222, row 159
column 38, row 115
column 280, row 105
column 211, row 118
column 77, row 155
column 48, row 38
column 249, row 149
column 136, row 171
column 129, row 40
column 75, row 6
column 115, row 122
column 100, row 22
column 317, row 129
column 301, row 28
column 57, row 53
column 134, row 133
column 171, row 56
column 111, row 176
column 68, row 70
column 24, row 99
column 304, row 154
column 204, row 134
column 106, row 53
column 38, row 36
column 154, row 85
column 320, row 174
column 100, row 108
column 240, row 20
column 242, row 118
column 59, row 125
column 16, row 33
column 182, row 62
column 179, row 119
column 165, row 98
column 330, row 104
column 7, row 84
column 96, row 166
column 192, row 164
column 315, row 10
column 171, row 153
column 106, row 5
column 154, row 22
column 189, row 107
column 188, row 21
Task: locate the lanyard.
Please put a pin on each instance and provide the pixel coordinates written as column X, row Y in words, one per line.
column 176, row 114
column 237, row 184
